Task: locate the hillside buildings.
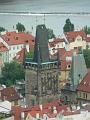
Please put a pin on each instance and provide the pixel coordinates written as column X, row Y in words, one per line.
column 78, row 72
column 47, row 72
column 12, row 42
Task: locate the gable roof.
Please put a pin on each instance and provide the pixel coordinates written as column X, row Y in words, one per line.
column 56, row 41
column 88, row 39
column 78, row 69
column 64, row 65
column 9, row 94
column 47, row 108
column 13, row 38
column 3, row 48
column 63, row 53
column 20, row 56
column 84, row 85
column 71, row 36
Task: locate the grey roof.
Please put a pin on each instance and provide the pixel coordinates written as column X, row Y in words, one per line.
column 41, row 52
column 78, row 69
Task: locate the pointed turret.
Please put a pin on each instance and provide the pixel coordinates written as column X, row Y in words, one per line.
column 78, row 69
column 41, row 52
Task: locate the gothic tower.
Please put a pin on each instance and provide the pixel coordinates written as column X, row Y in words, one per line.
column 41, row 76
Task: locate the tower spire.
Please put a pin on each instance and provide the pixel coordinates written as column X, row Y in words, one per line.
column 44, row 19
column 41, row 53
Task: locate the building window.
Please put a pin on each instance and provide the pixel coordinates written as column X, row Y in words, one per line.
column 32, row 40
column 13, row 48
column 79, row 39
column 84, row 95
column 17, row 47
column 68, row 66
column 80, row 94
column 16, row 38
column 58, row 46
column 9, row 48
column 66, row 98
column 75, row 48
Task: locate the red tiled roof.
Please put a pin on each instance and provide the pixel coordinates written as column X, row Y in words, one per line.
column 9, row 94
column 56, row 41
column 3, row 48
column 20, row 56
column 88, row 39
column 84, row 85
column 13, row 38
column 64, row 65
column 71, row 113
column 63, row 53
column 72, row 35
column 47, row 109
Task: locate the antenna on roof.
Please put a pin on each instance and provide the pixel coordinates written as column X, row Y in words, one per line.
column 44, row 19
column 36, row 20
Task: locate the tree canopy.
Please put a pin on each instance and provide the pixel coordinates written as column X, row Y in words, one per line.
column 86, row 29
column 68, row 26
column 30, row 54
column 11, row 72
column 87, row 57
column 2, row 29
column 50, row 33
column 20, row 27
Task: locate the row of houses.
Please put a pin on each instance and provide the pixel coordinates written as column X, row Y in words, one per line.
column 52, row 111
column 12, row 43
column 70, row 41
column 78, row 89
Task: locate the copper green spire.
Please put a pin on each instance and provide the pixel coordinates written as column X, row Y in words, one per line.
column 78, row 69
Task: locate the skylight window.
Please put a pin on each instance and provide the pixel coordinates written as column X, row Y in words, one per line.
column 84, row 83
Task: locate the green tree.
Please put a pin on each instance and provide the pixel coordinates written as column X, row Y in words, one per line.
column 11, row 72
column 2, row 29
column 68, row 26
column 86, row 29
column 30, row 54
column 20, row 27
column 87, row 57
column 50, row 33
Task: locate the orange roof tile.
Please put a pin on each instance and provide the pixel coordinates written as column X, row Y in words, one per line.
column 47, row 109
column 56, row 41
column 3, row 48
column 71, row 113
column 88, row 39
column 63, row 53
column 72, row 35
column 13, row 38
column 84, row 85
column 9, row 94
column 20, row 56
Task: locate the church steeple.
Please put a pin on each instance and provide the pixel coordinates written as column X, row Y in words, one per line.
column 78, row 69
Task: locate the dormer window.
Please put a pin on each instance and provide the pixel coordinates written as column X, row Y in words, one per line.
column 68, row 66
column 16, row 38
column 26, row 41
column 79, row 39
column 32, row 40
column 8, row 39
